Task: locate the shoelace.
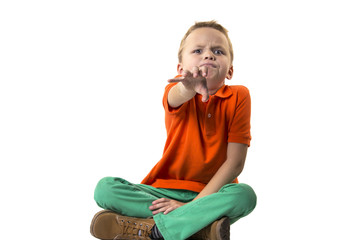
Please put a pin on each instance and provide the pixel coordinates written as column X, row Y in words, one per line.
column 133, row 230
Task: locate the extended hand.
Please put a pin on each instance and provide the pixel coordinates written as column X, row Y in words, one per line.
column 195, row 81
column 165, row 205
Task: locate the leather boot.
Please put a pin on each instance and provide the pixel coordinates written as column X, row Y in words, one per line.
column 218, row 230
column 108, row 225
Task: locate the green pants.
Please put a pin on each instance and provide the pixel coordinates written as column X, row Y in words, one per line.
column 232, row 200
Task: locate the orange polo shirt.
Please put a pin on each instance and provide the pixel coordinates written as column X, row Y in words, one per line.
column 197, row 137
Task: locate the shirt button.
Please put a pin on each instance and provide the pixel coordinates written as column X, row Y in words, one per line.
column 209, row 115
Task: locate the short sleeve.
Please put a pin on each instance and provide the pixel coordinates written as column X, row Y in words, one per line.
column 239, row 129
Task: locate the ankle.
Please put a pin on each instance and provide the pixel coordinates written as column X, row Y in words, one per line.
column 156, row 234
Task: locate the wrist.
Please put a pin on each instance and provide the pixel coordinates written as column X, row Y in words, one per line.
column 186, row 92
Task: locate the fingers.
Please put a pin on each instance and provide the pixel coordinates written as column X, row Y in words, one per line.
column 164, row 209
column 200, row 71
column 195, row 72
column 178, row 79
column 159, row 205
column 160, row 200
column 204, row 71
column 170, row 209
column 164, row 205
column 173, row 80
column 205, row 96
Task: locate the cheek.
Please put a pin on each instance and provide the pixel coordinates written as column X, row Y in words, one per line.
column 191, row 60
column 190, row 64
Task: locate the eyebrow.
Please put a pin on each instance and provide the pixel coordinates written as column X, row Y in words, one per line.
column 216, row 46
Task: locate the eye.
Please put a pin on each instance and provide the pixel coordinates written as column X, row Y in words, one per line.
column 197, row 51
column 218, row 52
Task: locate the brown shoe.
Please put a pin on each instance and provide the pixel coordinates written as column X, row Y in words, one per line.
column 218, row 230
column 108, row 225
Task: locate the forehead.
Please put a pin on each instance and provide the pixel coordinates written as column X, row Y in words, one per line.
column 206, row 36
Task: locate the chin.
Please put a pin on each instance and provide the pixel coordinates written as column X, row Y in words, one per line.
column 215, row 83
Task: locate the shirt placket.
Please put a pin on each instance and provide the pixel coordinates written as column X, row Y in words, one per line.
column 210, row 117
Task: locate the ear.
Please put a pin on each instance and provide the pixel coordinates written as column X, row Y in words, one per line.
column 230, row 73
column 180, row 68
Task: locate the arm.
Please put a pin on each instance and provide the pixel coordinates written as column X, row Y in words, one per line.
column 231, row 168
column 178, row 95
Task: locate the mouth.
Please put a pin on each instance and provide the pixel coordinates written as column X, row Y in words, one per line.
column 208, row 65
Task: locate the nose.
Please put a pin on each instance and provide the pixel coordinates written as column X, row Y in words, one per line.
column 209, row 55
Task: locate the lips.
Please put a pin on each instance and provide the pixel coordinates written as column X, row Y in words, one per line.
column 208, row 65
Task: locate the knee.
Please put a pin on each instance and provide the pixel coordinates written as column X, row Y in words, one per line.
column 248, row 196
column 102, row 190
column 244, row 201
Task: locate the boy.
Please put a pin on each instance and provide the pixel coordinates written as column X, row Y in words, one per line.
column 192, row 192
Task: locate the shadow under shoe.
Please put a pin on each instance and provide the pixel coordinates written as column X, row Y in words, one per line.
column 218, row 230
column 108, row 225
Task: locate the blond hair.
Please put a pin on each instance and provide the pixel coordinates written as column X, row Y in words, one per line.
column 210, row 24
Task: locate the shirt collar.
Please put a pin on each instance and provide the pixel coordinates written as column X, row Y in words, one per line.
column 223, row 92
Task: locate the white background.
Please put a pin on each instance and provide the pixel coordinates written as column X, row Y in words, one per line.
column 80, row 99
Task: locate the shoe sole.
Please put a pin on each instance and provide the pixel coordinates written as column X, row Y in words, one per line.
column 223, row 229
column 104, row 225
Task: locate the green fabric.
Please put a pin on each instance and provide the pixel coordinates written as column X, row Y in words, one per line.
column 233, row 200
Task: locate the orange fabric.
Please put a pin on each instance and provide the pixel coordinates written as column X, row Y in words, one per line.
column 197, row 137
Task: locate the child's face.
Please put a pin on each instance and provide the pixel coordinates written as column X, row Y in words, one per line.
column 208, row 47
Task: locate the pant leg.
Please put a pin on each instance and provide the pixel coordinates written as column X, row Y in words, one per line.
column 123, row 197
column 134, row 200
column 233, row 200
